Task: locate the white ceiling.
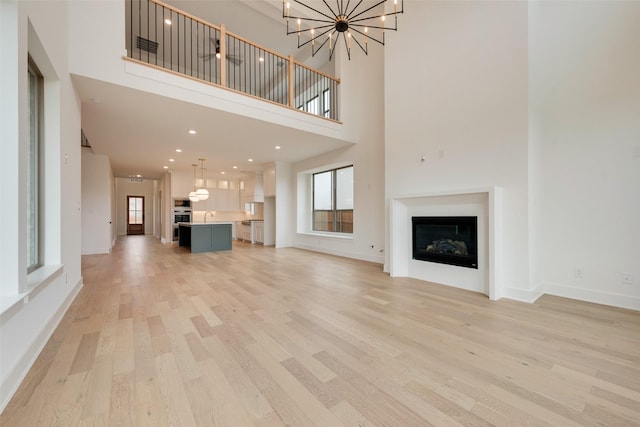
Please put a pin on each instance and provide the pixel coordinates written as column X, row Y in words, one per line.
column 140, row 131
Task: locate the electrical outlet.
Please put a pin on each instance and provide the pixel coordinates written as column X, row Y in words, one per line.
column 578, row 273
column 626, row 278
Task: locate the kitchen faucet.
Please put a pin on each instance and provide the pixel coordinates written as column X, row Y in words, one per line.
column 207, row 213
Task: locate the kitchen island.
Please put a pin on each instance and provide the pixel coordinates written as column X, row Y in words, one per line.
column 205, row 237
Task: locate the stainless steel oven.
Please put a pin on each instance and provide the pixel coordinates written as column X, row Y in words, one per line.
column 182, row 214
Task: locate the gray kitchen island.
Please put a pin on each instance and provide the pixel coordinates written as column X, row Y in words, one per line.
column 205, row 237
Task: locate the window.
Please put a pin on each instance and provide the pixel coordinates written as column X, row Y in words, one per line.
column 326, row 103
column 333, row 200
column 34, row 168
column 313, row 105
column 136, row 209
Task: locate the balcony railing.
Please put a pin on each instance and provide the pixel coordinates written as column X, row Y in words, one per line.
column 163, row 36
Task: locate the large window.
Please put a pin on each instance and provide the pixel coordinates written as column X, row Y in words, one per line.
column 34, row 168
column 333, row 200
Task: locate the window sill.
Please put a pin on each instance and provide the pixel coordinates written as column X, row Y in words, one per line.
column 35, row 281
column 343, row 236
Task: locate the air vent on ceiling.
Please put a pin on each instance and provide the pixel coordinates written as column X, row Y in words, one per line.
column 147, row 45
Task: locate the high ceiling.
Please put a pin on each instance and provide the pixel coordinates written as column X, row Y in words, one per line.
column 140, row 131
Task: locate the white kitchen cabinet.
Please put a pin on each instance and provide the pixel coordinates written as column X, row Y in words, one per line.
column 253, row 188
column 181, row 184
column 234, row 195
column 244, row 232
column 257, row 234
column 269, row 181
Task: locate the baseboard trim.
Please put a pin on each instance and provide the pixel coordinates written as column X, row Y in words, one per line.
column 594, row 296
column 15, row 377
column 525, row 295
column 362, row 257
column 96, row 251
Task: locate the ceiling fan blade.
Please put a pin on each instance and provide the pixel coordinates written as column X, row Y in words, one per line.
column 234, row 59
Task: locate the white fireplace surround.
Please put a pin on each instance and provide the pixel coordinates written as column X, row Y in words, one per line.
column 485, row 203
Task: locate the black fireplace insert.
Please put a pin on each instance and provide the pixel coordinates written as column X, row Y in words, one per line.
column 446, row 239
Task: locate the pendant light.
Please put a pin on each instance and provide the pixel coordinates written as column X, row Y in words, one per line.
column 193, row 196
column 202, row 193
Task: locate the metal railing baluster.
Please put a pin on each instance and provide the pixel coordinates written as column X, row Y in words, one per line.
column 174, row 44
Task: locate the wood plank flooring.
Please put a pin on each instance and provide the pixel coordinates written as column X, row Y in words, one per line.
column 264, row 337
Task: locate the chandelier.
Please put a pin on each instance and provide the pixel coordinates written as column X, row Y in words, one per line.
column 199, row 194
column 357, row 23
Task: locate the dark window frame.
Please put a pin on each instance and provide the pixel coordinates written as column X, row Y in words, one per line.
column 35, row 168
column 336, row 222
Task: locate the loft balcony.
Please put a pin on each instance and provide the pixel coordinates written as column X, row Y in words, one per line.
column 161, row 36
column 140, row 98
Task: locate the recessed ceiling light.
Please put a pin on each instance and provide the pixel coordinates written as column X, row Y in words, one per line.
column 277, row 147
column 165, row 167
column 167, row 21
column 178, row 150
column 235, row 167
column 261, row 59
column 192, row 132
column 223, row 172
column 250, row 160
column 172, row 160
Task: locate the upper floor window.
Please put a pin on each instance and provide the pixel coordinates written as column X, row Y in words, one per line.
column 313, row 105
column 326, row 103
column 34, row 168
column 333, row 200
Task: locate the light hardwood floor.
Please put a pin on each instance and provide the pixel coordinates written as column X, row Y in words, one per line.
column 259, row 336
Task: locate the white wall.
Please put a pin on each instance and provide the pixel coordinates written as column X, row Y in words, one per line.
column 362, row 107
column 96, row 203
column 146, row 189
column 27, row 323
column 541, row 99
column 456, row 93
column 585, row 119
column 284, row 200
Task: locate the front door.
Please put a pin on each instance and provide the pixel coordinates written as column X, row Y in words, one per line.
column 135, row 215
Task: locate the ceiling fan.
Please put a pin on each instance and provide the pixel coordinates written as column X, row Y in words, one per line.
column 234, row 59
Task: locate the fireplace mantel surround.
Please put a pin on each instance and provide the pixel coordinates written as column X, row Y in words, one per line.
column 487, row 199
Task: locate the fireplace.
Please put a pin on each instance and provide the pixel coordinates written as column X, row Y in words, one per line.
column 446, row 239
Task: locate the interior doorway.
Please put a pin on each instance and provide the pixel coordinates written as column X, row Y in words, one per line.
column 135, row 215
